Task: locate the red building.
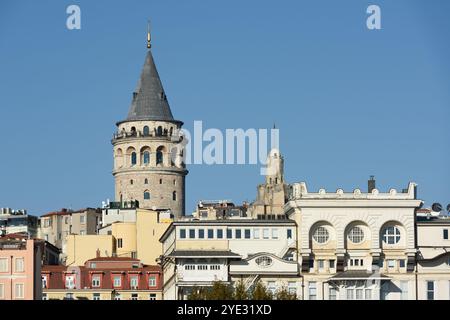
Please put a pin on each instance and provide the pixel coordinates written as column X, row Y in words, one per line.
column 103, row 278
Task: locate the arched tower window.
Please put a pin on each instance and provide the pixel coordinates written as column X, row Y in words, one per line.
column 159, row 131
column 159, row 155
column 133, row 158
column 146, row 195
column 146, row 157
column 146, row 181
column 146, row 131
column 174, row 196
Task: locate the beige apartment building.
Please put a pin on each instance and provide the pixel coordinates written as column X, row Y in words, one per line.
column 56, row 226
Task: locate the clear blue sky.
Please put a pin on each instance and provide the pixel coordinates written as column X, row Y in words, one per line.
column 349, row 102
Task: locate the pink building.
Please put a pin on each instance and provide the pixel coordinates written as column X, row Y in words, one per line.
column 20, row 268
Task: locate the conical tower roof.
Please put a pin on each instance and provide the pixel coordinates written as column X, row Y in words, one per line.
column 149, row 100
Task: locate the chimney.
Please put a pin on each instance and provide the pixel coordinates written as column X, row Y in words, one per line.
column 371, row 184
column 98, row 253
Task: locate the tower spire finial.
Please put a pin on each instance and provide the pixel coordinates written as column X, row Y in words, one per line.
column 149, row 45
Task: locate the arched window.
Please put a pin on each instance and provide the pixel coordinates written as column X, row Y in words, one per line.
column 146, row 195
column 146, row 181
column 391, row 235
column 131, row 181
column 264, row 261
column 159, row 156
column 159, row 131
column 146, row 157
column 356, row 235
column 133, row 131
column 160, row 181
column 133, row 158
column 146, row 131
column 321, row 235
column 174, row 196
column 171, row 131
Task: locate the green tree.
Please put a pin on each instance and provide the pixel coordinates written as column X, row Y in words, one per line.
column 260, row 292
column 284, row 294
column 197, row 293
column 240, row 292
column 219, row 291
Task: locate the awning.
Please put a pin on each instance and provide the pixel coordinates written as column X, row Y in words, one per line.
column 203, row 254
column 358, row 275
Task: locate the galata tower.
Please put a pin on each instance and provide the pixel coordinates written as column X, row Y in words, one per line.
column 147, row 154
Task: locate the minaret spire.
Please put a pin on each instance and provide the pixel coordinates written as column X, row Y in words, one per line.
column 149, row 45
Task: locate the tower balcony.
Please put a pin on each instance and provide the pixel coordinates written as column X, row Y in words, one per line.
column 124, row 135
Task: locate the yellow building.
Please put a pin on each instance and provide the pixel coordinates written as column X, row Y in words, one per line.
column 138, row 238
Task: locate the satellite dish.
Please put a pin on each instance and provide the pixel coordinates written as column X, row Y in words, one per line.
column 436, row 207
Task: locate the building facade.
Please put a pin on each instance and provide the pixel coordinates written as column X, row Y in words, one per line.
column 199, row 252
column 103, row 278
column 55, row 227
column 20, row 268
column 17, row 221
column 148, row 166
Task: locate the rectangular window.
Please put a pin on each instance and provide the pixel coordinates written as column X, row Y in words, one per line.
column 430, row 290
column 321, row 265
column 445, row 234
column 201, row 233
column 332, row 263
column 96, row 281
column 119, row 243
column 134, row 296
column 237, row 233
column 152, row 296
column 404, row 290
column 219, row 233
column 182, row 233
column 189, row 267
column 255, row 233
column 359, row 294
column 247, row 233
column 312, row 291
column 271, row 286
column 402, row 263
column 214, row 267
column 82, row 219
column 210, row 233
column 4, row 264
column 2, row 291
column 117, row 281
column 68, row 296
column 191, row 233
column 332, row 292
column 152, row 281
column 82, row 232
column 311, row 263
column 134, row 280
column 265, row 233
column 368, row 294
column 96, row 296
column 19, row 291
column 274, row 233
column 229, row 234
column 70, row 282
column 292, row 287
column 202, row 267
column 391, row 263
column 66, row 220
column 350, row 294
column 289, row 233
